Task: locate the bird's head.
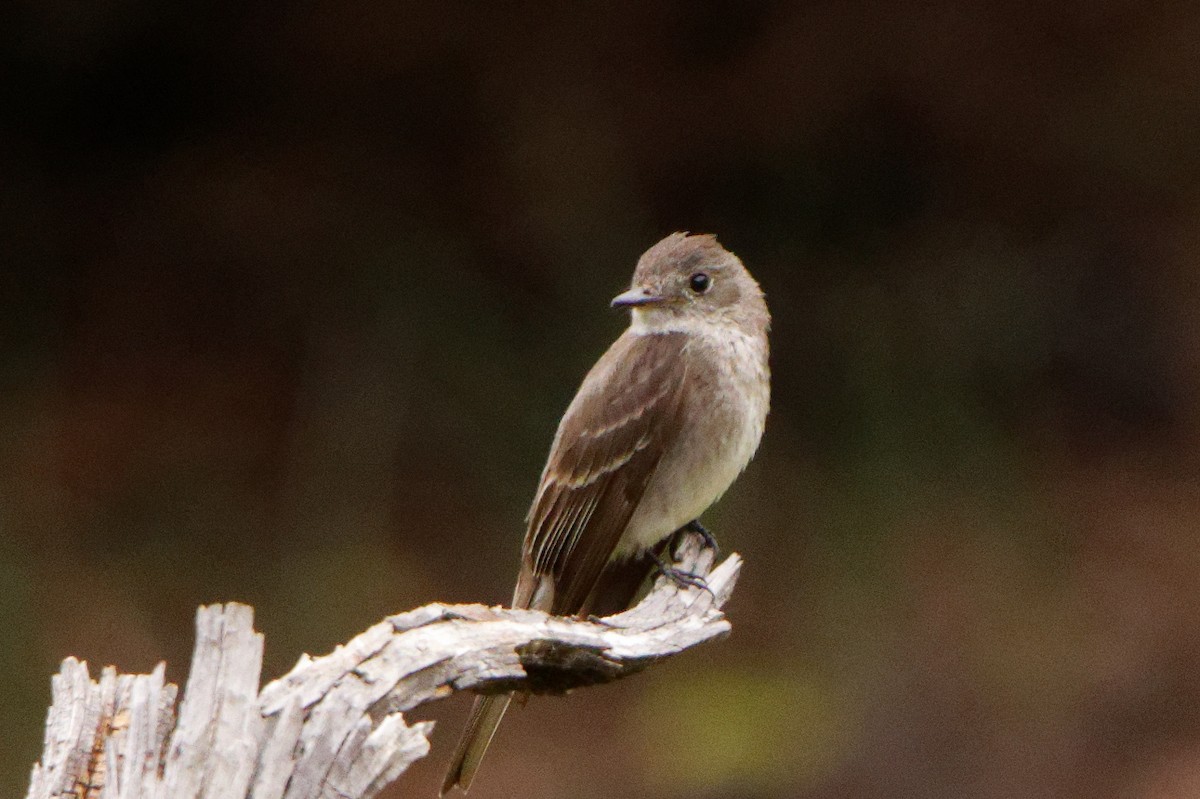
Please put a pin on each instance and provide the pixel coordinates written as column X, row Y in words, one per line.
column 688, row 280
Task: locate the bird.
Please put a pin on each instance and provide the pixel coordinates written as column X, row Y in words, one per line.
column 661, row 426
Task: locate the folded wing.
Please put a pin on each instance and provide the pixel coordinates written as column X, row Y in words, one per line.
column 608, row 445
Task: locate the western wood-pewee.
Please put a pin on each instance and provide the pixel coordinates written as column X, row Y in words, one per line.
column 662, row 425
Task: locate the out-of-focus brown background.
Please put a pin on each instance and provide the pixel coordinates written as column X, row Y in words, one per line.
column 294, row 294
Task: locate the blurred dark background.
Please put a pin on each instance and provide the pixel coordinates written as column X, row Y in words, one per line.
column 294, row 295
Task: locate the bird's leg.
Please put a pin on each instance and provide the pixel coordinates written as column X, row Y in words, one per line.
column 679, row 576
column 710, row 540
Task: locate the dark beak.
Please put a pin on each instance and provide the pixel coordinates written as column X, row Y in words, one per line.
column 634, row 298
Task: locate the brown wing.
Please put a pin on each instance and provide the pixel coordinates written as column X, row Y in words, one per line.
column 606, row 450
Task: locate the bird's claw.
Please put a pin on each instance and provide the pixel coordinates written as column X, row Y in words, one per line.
column 681, row 578
column 710, row 540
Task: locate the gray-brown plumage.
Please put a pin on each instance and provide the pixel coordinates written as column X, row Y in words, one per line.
column 662, row 425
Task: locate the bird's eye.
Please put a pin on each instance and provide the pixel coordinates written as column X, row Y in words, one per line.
column 700, row 282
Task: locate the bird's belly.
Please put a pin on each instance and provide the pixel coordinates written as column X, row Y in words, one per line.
column 694, row 475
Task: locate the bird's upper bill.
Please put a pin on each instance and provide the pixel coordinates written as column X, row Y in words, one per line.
column 635, row 297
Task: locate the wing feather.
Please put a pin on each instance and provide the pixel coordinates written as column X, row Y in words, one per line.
column 608, row 445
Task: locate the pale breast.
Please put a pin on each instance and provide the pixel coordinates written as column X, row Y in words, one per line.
column 725, row 409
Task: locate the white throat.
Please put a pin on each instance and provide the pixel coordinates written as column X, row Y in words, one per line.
column 644, row 322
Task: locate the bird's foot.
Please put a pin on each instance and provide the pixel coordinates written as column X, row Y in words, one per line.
column 710, row 540
column 681, row 578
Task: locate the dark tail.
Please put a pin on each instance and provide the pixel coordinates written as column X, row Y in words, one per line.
column 485, row 718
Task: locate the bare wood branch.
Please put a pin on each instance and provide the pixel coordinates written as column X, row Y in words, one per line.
column 334, row 726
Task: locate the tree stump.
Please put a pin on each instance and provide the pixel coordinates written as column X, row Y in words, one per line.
column 334, row 726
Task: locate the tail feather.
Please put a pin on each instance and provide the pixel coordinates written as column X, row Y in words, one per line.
column 485, row 718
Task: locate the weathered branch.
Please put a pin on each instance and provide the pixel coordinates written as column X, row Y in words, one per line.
column 334, row 725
